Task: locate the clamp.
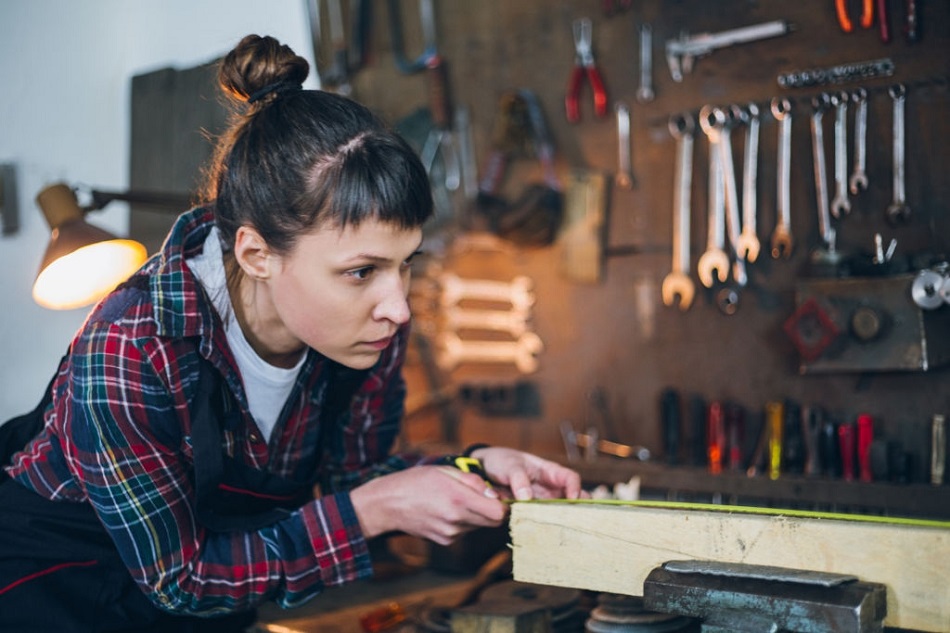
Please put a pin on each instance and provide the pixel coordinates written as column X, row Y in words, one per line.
column 584, row 66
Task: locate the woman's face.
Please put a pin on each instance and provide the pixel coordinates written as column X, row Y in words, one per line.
column 344, row 293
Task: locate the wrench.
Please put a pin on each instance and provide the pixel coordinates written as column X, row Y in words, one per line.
column 521, row 352
column 782, row 241
column 645, row 90
column 517, row 292
column 715, row 257
column 624, row 177
column 514, row 322
column 677, row 282
column 859, row 179
column 725, row 120
column 840, row 204
column 898, row 212
column 819, row 104
column 748, row 245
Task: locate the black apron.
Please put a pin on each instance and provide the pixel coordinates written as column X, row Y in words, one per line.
column 59, row 569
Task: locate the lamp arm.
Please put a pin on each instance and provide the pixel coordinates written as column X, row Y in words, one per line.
column 172, row 202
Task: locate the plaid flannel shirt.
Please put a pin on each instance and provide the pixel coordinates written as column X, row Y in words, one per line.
column 118, row 433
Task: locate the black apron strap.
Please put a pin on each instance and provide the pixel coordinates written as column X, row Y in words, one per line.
column 16, row 433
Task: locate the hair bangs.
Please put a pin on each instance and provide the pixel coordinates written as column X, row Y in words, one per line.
column 380, row 179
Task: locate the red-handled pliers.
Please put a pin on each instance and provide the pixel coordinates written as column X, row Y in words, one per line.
column 584, row 65
column 844, row 19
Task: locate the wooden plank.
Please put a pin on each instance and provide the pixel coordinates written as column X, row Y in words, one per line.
column 612, row 548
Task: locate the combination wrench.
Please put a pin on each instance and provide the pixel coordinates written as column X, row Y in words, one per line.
column 819, row 104
column 898, row 212
column 723, row 121
column 859, row 179
column 645, row 90
column 624, row 177
column 677, row 282
column 714, row 259
column 840, row 204
column 748, row 245
column 782, row 242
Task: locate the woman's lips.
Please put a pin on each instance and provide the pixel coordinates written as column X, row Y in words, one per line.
column 380, row 344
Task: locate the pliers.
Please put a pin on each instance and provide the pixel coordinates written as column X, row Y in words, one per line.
column 584, row 65
column 844, row 17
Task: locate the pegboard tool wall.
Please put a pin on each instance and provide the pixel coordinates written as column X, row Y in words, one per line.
column 618, row 335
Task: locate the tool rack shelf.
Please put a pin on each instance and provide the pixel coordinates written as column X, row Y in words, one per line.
column 684, row 483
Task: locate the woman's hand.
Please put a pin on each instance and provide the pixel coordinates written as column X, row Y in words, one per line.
column 529, row 476
column 438, row 503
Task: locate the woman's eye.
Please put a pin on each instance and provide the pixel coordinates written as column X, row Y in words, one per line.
column 361, row 273
column 408, row 262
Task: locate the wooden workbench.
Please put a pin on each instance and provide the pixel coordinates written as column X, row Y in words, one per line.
column 612, row 548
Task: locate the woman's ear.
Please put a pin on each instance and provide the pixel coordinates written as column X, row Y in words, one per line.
column 252, row 253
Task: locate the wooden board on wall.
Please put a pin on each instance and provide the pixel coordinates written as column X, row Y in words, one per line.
column 614, row 548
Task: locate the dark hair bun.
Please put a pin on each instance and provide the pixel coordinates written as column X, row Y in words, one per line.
column 257, row 63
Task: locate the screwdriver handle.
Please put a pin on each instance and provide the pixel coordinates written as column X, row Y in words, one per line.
column 715, row 437
column 775, row 419
column 865, row 437
column 846, row 446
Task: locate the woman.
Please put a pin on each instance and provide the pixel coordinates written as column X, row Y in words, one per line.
column 255, row 358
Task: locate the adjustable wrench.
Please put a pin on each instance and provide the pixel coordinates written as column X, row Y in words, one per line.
column 724, row 120
column 715, row 257
column 859, row 179
column 677, row 282
column 782, row 241
column 819, row 104
column 645, row 90
column 748, row 245
column 898, row 212
column 840, row 204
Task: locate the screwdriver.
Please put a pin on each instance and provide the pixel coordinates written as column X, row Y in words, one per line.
column 775, row 419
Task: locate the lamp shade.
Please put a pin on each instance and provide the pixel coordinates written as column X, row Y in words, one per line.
column 82, row 263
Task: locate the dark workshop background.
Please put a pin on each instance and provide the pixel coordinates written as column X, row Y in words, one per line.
column 615, row 335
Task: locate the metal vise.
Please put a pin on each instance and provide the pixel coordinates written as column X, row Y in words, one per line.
column 762, row 599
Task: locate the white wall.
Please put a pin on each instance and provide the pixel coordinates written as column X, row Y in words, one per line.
column 65, row 71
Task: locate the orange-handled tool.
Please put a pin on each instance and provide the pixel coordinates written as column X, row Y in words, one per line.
column 715, row 437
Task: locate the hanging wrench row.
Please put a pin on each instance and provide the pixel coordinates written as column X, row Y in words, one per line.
column 727, row 217
column 898, row 212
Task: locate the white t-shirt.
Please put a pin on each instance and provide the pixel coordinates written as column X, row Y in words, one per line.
column 267, row 386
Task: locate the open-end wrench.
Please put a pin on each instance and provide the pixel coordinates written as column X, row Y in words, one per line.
column 522, row 352
column 517, row 292
column 748, row 245
column 624, row 177
column 677, row 282
column 898, row 212
column 840, row 204
column 782, row 242
column 715, row 258
column 859, row 179
column 725, row 120
column 819, row 104
column 513, row 322
column 645, row 90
